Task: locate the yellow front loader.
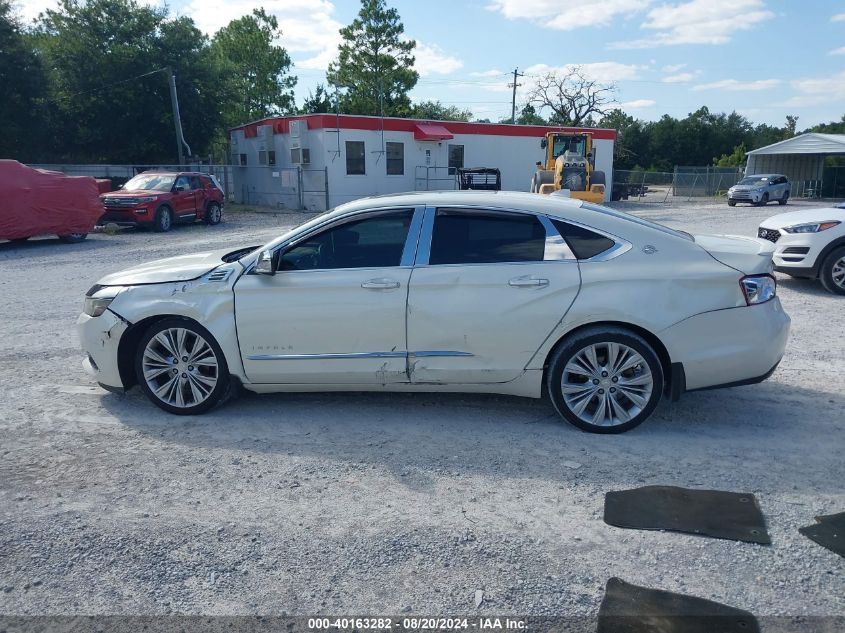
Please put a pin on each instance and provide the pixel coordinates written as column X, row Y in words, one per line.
column 570, row 164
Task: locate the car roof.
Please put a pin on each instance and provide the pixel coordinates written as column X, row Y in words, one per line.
column 764, row 176
column 555, row 205
column 171, row 173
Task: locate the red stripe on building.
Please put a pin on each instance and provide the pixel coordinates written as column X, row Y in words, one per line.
column 372, row 123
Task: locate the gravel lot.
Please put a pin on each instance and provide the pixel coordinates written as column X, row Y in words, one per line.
column 386, row 503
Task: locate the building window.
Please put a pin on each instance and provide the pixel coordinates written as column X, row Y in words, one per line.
column 395, row 159
column 243, row 159
column 262, row 157
column 355, row 158
column 271, row 157
column 456, row 158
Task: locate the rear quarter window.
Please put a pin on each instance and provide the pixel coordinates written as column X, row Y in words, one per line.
column 583, row 242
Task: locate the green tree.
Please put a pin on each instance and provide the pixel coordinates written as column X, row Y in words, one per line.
column 110, row 98
column 22, row 108
column 255, row 71
column 528, row 116
column 374, row 65
column 734, row 159
column 436, row 111
column 789, row 128
column 318, row 102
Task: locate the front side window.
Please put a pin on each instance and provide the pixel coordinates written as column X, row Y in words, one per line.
column 486, row 237
column 182, row 181
column 395, row 158
column 456, row 158
column 374, row 242
column 355, row 164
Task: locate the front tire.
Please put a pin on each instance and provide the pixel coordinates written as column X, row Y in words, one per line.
column 763, row 201
column 605, row 380
column 731, row 203
column 832, row 273
column 180, row 367
column 784, row 200
column 163, row 220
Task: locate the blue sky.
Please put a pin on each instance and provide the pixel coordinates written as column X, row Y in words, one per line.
column 762, row 58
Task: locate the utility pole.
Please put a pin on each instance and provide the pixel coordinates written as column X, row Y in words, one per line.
column 177, row 121
column 514, row 85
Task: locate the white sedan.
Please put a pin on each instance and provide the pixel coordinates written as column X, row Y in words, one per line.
column 482, row 292
column 809, row 244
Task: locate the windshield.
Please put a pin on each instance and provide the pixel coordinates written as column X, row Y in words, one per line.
column 150, row 182
column 574, row 144
column 632, row 218
column 754, row 180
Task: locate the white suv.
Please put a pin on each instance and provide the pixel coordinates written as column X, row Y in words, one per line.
column 809, row 244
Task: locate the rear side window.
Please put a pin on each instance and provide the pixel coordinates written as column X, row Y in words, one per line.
column 583, row 242
column 462, row 237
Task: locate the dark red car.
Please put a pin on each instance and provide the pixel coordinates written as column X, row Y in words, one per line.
column 158, row 199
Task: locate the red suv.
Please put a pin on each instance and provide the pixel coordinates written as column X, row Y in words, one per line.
column 158, row 199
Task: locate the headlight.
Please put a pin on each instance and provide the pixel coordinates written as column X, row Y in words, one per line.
column 99, row 298
column 145, row 199
column 813, row 227
column 758, row 288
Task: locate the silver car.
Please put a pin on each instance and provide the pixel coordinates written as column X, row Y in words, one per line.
column 760, row 189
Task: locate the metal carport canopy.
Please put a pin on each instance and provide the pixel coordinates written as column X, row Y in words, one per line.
column 801, row 158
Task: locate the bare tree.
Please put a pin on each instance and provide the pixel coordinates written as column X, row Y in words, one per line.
column 572, row 97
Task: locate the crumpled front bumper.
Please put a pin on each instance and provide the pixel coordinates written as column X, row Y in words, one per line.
column 100, row 338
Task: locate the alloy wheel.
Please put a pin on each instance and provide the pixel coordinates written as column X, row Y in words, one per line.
column 606, row 384
column 180, row 367
column 838, row 272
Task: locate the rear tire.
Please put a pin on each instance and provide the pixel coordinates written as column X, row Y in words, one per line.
column 73, row 238
column 605, row 380
column 832, row 273
column 213, row 214
column 163, row 220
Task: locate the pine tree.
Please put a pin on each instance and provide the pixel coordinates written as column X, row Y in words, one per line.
column 375, row 65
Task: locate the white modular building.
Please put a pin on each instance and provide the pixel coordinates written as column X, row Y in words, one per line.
column 319, row 161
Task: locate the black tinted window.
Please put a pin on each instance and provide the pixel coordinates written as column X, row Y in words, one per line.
column 462, row 237
column 584, row 243
column 374, row 242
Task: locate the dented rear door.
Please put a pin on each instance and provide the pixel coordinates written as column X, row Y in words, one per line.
column 488, row 288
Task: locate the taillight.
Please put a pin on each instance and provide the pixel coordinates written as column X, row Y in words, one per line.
column 758, row 288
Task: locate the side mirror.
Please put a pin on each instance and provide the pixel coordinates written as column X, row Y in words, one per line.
column 268, row 263
column 178, row 188
column 543, row 143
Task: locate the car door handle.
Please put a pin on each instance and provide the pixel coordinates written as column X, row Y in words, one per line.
column 522, row 282
column 380, row 284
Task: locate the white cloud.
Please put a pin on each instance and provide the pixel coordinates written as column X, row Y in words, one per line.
column 736, row 85
column 28, row 10
column 680, row 78
column 837, row 51
column 568, row 16
column 309, row 32
column 839, row 17
column 600, row 71
column 673, row 68
column 637, row 104
column 494, row 72
column 699, row 22
column 431, row 60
